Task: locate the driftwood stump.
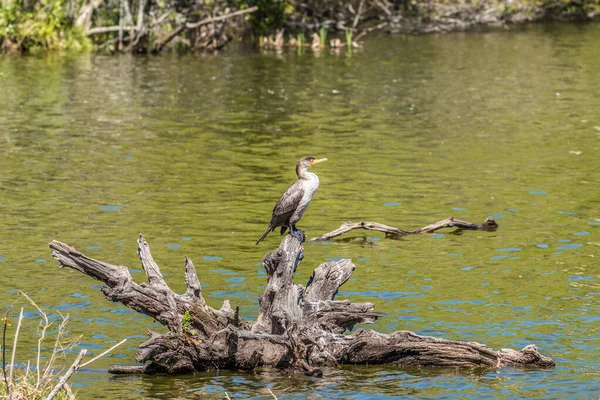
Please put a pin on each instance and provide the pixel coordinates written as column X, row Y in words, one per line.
column 298, row 329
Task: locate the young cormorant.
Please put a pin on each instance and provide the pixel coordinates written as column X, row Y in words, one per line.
column 295, row 200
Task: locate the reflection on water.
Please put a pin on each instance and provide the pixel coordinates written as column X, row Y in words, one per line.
column 194, row 151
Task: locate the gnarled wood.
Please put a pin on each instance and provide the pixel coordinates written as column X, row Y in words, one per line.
column 156, row 299
column 488, row 225
column 298, row 329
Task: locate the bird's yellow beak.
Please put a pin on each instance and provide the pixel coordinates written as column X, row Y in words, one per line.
column 313, row 162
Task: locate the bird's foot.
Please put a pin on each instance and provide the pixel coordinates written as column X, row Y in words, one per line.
column 298, row 234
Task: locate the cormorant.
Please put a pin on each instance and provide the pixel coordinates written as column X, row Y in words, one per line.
column 295, row 200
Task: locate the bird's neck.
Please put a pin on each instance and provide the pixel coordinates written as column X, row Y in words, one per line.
column 304, row 174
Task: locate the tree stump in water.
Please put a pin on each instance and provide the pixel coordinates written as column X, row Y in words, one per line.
column 298, row 329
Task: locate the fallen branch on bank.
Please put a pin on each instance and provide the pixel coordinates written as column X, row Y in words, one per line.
column 488, row 225
column 298, row 329
column 160, row 44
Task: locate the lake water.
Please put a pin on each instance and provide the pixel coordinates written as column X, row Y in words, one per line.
column 194, row 151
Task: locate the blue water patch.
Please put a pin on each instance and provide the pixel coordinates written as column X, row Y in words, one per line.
column 567, row 212
column 542, row 245
column 174, row 246
column 511, row 249
column 363, row 259
column 449, row 302
column 137, row 337
column 467, row 268
column 513, row 258
column 81, row 304
column 580, row 233
column 236, row 279
column 93, row 247
column 31, row 314
column 90, row 346
column 119, row 243
column 437, row 236
column 569, row 246
column 186, row 238
column 459, row 209
column 2, row 258
column 395, row 295
column 234, row 294
column 485, row 284
column 40, row 260
column 99, row 336
column 224, row 272
column 564, row 241
column 426, row 287
column 576, row 278
column 512, row 210
column 368, row 293
column 122, row 311
column 135, row 271
column 538, row 192
column 212, row 258
column 334, row 258
column 548, row 273
column 392, row 204
column 389, row 295
column 496, row 216
column 476, row 302
column 110, row 208
column 373, row 239
column 79, row 296
column 454, row 255
column 410, row 318
column 594, row 223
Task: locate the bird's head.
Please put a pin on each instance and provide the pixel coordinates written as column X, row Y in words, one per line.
column 306, row 163
column 309, row 162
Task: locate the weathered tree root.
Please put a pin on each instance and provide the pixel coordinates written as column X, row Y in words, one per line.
column 488, row 225
column 298, row 329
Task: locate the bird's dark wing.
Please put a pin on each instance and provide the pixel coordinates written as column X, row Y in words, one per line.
column 287, row 204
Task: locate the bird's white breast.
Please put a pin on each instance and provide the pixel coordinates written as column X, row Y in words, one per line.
column 310, row 187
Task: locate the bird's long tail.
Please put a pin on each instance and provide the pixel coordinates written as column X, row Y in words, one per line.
column 269, row 229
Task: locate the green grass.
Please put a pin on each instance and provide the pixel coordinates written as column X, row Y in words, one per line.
column 323, row 36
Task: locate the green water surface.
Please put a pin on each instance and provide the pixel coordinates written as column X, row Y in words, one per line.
column 194, row 151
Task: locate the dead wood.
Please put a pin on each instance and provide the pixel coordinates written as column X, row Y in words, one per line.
column 488, row 225
column 298, row 329
column 160, row 44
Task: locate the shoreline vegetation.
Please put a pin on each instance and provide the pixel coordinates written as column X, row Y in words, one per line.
column 42, row 377
column 151, row 26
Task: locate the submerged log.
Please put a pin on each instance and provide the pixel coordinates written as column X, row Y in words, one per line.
column 298, row 329
column 488, row 225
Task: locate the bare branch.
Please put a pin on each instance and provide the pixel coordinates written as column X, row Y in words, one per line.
column 488, row 225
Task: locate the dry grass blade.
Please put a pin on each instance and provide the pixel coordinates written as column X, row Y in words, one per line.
column 103, row 353
column 14, row 351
